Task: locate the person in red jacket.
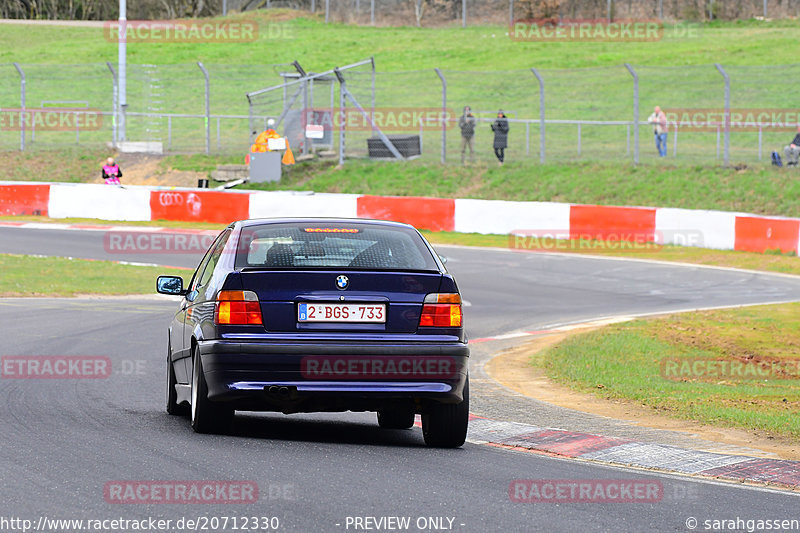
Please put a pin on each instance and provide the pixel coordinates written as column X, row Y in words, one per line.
column 111, row 172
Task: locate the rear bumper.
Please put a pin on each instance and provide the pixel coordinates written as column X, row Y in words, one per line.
column 340, row 376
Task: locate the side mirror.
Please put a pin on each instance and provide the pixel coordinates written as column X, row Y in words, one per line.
column 443, row 259
column 170, row 285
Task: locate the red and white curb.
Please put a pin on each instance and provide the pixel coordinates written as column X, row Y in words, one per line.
column 628, row 453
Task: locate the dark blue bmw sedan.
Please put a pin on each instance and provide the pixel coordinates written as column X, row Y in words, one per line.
column 310, row 315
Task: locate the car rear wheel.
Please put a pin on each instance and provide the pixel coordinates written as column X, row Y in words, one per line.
column 173, row 407
column 207, row 416
column 396, row 418
column 444, row 425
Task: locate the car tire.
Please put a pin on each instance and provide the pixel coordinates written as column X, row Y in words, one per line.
column 173, row 407
column 207, row 416
column 396, row 418
column 444, row 425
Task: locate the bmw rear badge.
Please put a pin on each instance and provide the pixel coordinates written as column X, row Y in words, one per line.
column 342, row 282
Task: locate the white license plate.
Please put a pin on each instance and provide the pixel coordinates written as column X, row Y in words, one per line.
column 341, row 312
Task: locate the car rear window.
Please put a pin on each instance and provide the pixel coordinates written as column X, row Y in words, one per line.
column 315, row 245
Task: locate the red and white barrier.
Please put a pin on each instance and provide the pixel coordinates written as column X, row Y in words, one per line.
column 685, row 227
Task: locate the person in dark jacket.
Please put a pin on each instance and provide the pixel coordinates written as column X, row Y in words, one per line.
column 467, row 124
column 793, row 150
column 500, row 129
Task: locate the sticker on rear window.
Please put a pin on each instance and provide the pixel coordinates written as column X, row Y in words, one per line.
column 330, row 230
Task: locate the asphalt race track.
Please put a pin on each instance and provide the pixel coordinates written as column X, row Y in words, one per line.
column 63, row 441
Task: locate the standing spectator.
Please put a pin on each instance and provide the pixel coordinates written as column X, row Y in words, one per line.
column 500, row 129
column 467, row 124
column 659, row 121
column 111, row 172
column 793, row 150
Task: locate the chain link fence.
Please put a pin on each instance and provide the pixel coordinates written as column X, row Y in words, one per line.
column 589, row 113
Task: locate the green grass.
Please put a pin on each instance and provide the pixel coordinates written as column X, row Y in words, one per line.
column 760, row 190
column 626, row 362
column 477, row 47
column 680, row 74
column 58, row 276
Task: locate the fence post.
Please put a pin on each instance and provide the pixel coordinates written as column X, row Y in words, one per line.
column 342, row 104
column 114, row 104
column 608, row 10
column 635, row 113
column 661, row 9
column 510, row 13
column 727, row 79
column 463, row 13
column 541, row 114
column 372, row 62
column 760, row 143
column 327, row 9
column 444, row 114
column 208, row 108
column 372, row 12
column 765, row 8
column 675, row 142
column 22, row 106
column 224, row 7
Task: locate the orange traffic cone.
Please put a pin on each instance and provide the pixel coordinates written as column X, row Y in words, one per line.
column 288, row 156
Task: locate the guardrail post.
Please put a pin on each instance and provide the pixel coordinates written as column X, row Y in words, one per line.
column 208, row 108
column 727, row 157
column 541, row 115
column 115, row 94
column 444, row 114
column 22, row 106
column 635, row 113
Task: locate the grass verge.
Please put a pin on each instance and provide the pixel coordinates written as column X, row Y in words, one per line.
column 666, row 364
column 60, row 276
column 784, row 264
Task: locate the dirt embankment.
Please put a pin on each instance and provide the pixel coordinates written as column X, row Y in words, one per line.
column 140, row 169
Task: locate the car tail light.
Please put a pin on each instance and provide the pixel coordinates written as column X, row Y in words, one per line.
column 441, row 311
column 237, row 307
